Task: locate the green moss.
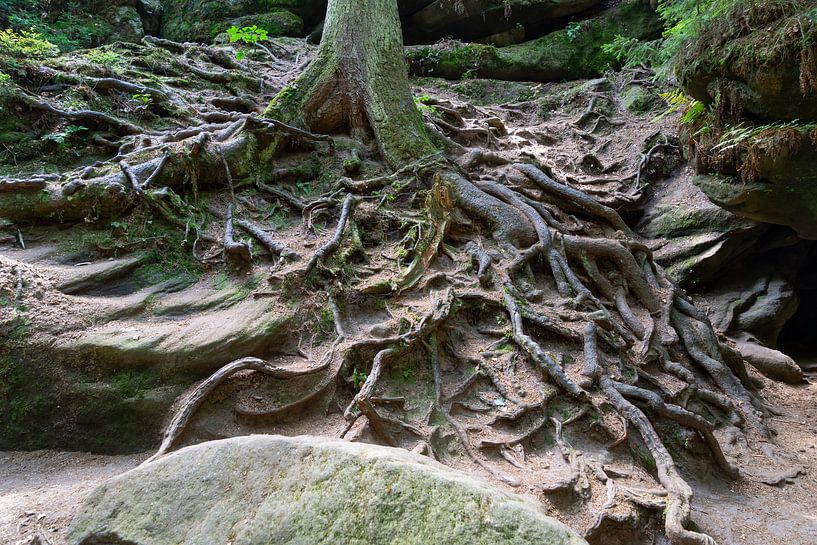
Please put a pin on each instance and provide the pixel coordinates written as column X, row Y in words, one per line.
column 278, row 17
column 637, row 99
column 132, row 384
column 276, row 23
column 761, row 55
column 567, row 54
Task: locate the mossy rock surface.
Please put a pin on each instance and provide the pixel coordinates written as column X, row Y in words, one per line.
column 766, row 67
column 263, row 489
column 80, row 24
column 637, row 99
column 568, row 54
column 212, row 17
column 473, row 20
column 276, row 23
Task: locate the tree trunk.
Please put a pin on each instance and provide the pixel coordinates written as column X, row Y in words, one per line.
column 359, row 83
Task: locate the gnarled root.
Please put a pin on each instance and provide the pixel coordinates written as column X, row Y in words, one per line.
column 196, row 397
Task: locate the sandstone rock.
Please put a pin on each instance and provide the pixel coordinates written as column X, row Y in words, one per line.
column 473, row 19
column 694, row 238
column 567, row 54
column 262, row 489
column 278, row 17
column 763, row 69
column 770, row 362
column 784, row 188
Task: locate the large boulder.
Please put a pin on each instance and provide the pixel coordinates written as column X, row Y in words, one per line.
column 768, row 177
column 203, row 20
column 84, row 23
column 762, row 60
column 755, row 145
column 474, row 19
column 694, row 239
column 262, row 489
column 106, row 381
column 572, row 53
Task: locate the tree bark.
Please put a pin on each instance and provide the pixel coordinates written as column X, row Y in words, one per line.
column 359, row 83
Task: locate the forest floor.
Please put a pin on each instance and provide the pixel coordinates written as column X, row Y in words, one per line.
column 41, row 491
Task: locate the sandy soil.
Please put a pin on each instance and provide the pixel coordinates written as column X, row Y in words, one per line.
column 41, row 491
column 754, row 513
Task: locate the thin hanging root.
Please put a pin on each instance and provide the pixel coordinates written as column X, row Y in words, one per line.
column 195, row 398
column 682, row 417
column 18, row 292
column 678, row 504
column 239, row 252
column 332, row 244
column 462, row 435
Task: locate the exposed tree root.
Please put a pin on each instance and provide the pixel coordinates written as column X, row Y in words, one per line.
column 194, row 399
column 332, row 244
column 588, row 311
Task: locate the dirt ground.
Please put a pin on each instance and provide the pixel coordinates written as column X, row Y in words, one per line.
column 754, row 513
column 41, row 491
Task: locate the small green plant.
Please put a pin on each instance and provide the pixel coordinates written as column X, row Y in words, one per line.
column 573, row 30
column 25, row 44
column 632, row 52
column 358, row 378
column 677, row 101
column 422, row 103
column 247, row 35
column 408, row 374
column 743, row 133
column 61, row 137
column 132, row 384
column 646, row 459
column 143, row 99
column 99, row 56
column 304, row 188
